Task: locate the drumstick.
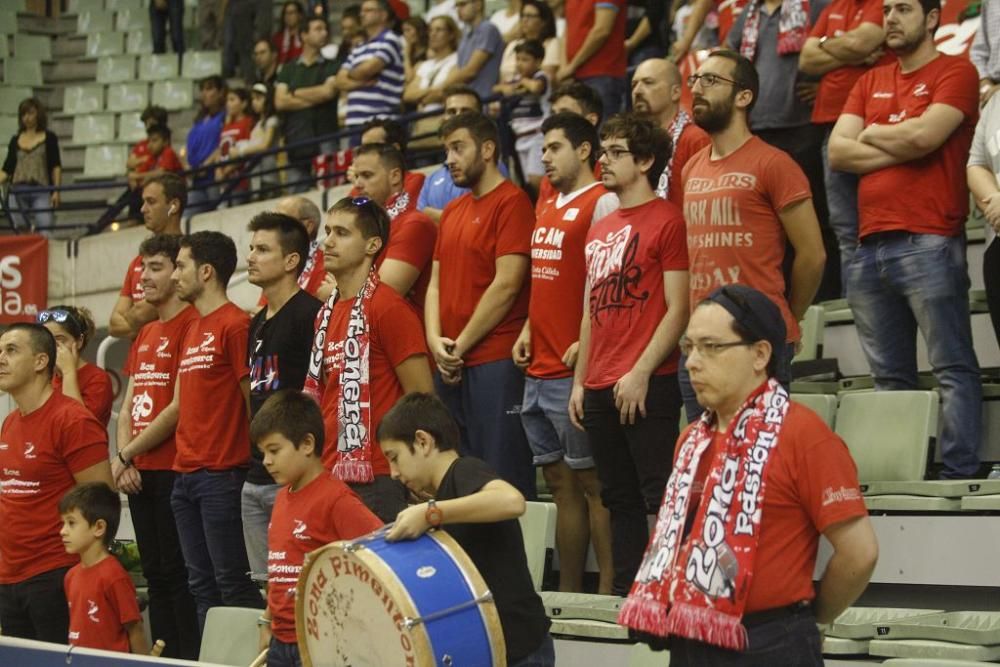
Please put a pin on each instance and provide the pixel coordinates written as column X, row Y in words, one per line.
column 260, row 660
column 158, row 647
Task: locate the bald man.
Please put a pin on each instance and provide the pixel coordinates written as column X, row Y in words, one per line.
column 313, row 277
column 656, row 94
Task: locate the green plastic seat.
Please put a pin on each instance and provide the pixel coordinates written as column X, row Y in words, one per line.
column 812, row 334
column 8, row 128
column 94, row 129
column 128, row 96
column 199, row 64
column 174, row 95
column 139, row 41
column 4, row 47
column 157, row 67
column 134, row 18
column 230, row 636
column 33, row 47
column 130, row 127
column 80, row 6
column 105, row 161
column 83, row 99
column 640, row 655
column 538, row 525
column 119, row 5
column 8, row 21
column 105, row 43
column 825, row 405
column 11, row 96
column 21, row 72
column 94, row 21
column 116, row 69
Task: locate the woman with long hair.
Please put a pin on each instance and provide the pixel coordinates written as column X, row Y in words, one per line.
column 425, row 90
column 32, row 161
column 538, row 23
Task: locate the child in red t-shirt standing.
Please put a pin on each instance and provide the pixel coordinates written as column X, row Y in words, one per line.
column 103, row 612
column 313, row 510
column 236, row 129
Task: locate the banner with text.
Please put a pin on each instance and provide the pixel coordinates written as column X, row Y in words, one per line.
column 24, row 277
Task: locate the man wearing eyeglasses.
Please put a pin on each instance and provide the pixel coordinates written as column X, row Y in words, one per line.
column 745, row 202
column 625, row 393
column 728, row 574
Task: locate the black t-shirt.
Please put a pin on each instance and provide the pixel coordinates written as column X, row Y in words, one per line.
column 497, row 549
column 279, row 359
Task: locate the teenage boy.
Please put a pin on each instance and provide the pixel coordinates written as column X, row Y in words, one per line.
column 103, row 611
column 312, row 510
column 480, row 510
column 368, row 351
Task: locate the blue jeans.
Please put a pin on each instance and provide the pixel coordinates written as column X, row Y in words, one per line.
column 612, row 90
column 256, row 503
column 900, row 282
column 543, row 656
column 27, row 208
column 280, row 654
column 158, row 20
column 842, row 204
column 206, row 505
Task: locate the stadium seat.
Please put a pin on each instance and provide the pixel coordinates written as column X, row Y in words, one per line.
column 128, row 96
column 889, row 433
column 134, row 18
column 538, row 525
column 20, row 72
column 139, row 41
column 119, row 5
column 640, row 655
column 8, row 21
column 130, row 127
column 116, row 69
column 83, row 99
column 93, row 129
column 33, row 47
column 230, row 636
column 199, row 64
column 173, row 95
column 4, row 47
column 812, row 334
column 80, row 6
column 105, row 161
column 11, row 96
column 104, row 44
column 825, row 405
column 94, row 21
column 8, row 127
column 153, row 67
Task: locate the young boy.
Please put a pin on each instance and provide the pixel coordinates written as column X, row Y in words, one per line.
column 530, row 85
column 313, row 510
column 160, row 158
column 103, row 612
column 420, row 440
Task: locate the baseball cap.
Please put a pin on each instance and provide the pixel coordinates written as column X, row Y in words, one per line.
column 260, row 88
column 754, row 312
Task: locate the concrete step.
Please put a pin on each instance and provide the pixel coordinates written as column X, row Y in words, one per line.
column 42, row 25
column 69, row 46
column 70, row 71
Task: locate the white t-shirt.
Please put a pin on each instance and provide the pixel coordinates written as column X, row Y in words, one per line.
column 985, row 149
column 505, row 22
column 432, row 73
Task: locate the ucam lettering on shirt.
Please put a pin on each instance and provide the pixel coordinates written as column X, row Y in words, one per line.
column 547, row 242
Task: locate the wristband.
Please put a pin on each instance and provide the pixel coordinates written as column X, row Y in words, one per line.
column 127, row 464
column 433, row 516
column 261, row 621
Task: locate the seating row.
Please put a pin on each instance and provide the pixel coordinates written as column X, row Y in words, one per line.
column 100, row 128
column 121, row 97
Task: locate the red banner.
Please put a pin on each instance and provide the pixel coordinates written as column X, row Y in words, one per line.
column 24, row 277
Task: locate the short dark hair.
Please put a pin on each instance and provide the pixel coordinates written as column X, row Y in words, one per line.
column 212, row 81
column 930, row 5
column 157, row 113
column 161, row 244
column 482, row 128
column 310, row 19
column 578, row 130
column 588, row 98
column 395, row 133
column 40, row 339
column 532, row 47
column 268, row 42
column 744, row 74
column 96, row 501
column 215, row 249
column 388, row 155
column 291, row 414
column 161, row 131
column 41, row 115
column 370, row 218
column 460, row 89
column 419, row 411
column 645, row 140
column 79, row 323
column 174, row 187
column 292, row 234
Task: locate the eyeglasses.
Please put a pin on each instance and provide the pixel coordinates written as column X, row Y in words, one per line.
column 710, row 80
column 614, row 153
column 707, row 348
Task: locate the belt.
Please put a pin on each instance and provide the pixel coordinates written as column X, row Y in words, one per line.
column 767, row 615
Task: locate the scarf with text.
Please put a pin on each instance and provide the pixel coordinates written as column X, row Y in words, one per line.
column 354, row 419
column 793, row 27
column 681, row 120
column 698, row 588
column 310, row 266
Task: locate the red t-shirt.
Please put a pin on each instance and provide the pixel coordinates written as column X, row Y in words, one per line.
column 167, row 160
column 473, row 234
column 734, row 233
column 39, row 454
column 412, row 236
column 628, row 251
column 213, row 426
column 692, row 140
column 610, row 59
column 288, row 45
column 395, row 335
column 324, row 511
column 558, row 279
column 546, row 192
column 934, row 185
column 812, row 484
column 141, row 149
column 233, row 133
column 839, row 17
column 101, row 602
column 155, row 355
column 132, row 285
column 95, row 389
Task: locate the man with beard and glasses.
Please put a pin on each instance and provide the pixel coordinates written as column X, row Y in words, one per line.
column 907, row 129
column 477, row 300
column 743, row 200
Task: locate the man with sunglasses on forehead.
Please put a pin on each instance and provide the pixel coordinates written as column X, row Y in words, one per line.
column 745, row 202
column 368, row 351
column 756, row 481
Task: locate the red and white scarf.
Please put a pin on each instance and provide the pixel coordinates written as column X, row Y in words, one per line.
column 354, row 417
column 793, row 27
column 681, row 120
column 698, row 588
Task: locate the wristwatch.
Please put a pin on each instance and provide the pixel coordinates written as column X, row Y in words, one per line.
column 433, row 515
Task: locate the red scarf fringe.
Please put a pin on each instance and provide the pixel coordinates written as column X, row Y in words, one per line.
column 706, row 625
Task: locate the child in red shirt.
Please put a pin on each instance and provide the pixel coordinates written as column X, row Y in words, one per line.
column 103, row 612
column 313, row 510
column 157, row 158
column 235, row 132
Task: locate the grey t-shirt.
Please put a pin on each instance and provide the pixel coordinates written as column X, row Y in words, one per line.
column 778, row 106
column 484, row 37
column 985, row 150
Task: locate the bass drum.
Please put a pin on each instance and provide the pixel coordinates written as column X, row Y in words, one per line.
column 414, row 603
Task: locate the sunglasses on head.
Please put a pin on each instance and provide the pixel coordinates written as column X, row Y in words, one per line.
column 59, row 316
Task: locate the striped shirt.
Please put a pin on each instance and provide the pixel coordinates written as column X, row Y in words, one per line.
column 382, row 98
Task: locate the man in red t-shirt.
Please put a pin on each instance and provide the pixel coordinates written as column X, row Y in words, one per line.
column 748, row 552
column 405, row 264
column 845, row 42
column 547, row 348
column 906, row 130
column 625, row 393
column 656, row 94
column 211, row 400
column 744, row 201
column 143, row 467
column 48, row 444
column 368, row 351
column 163, row 201
column 595, row 51
column 388, row 131
column 477, row 300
